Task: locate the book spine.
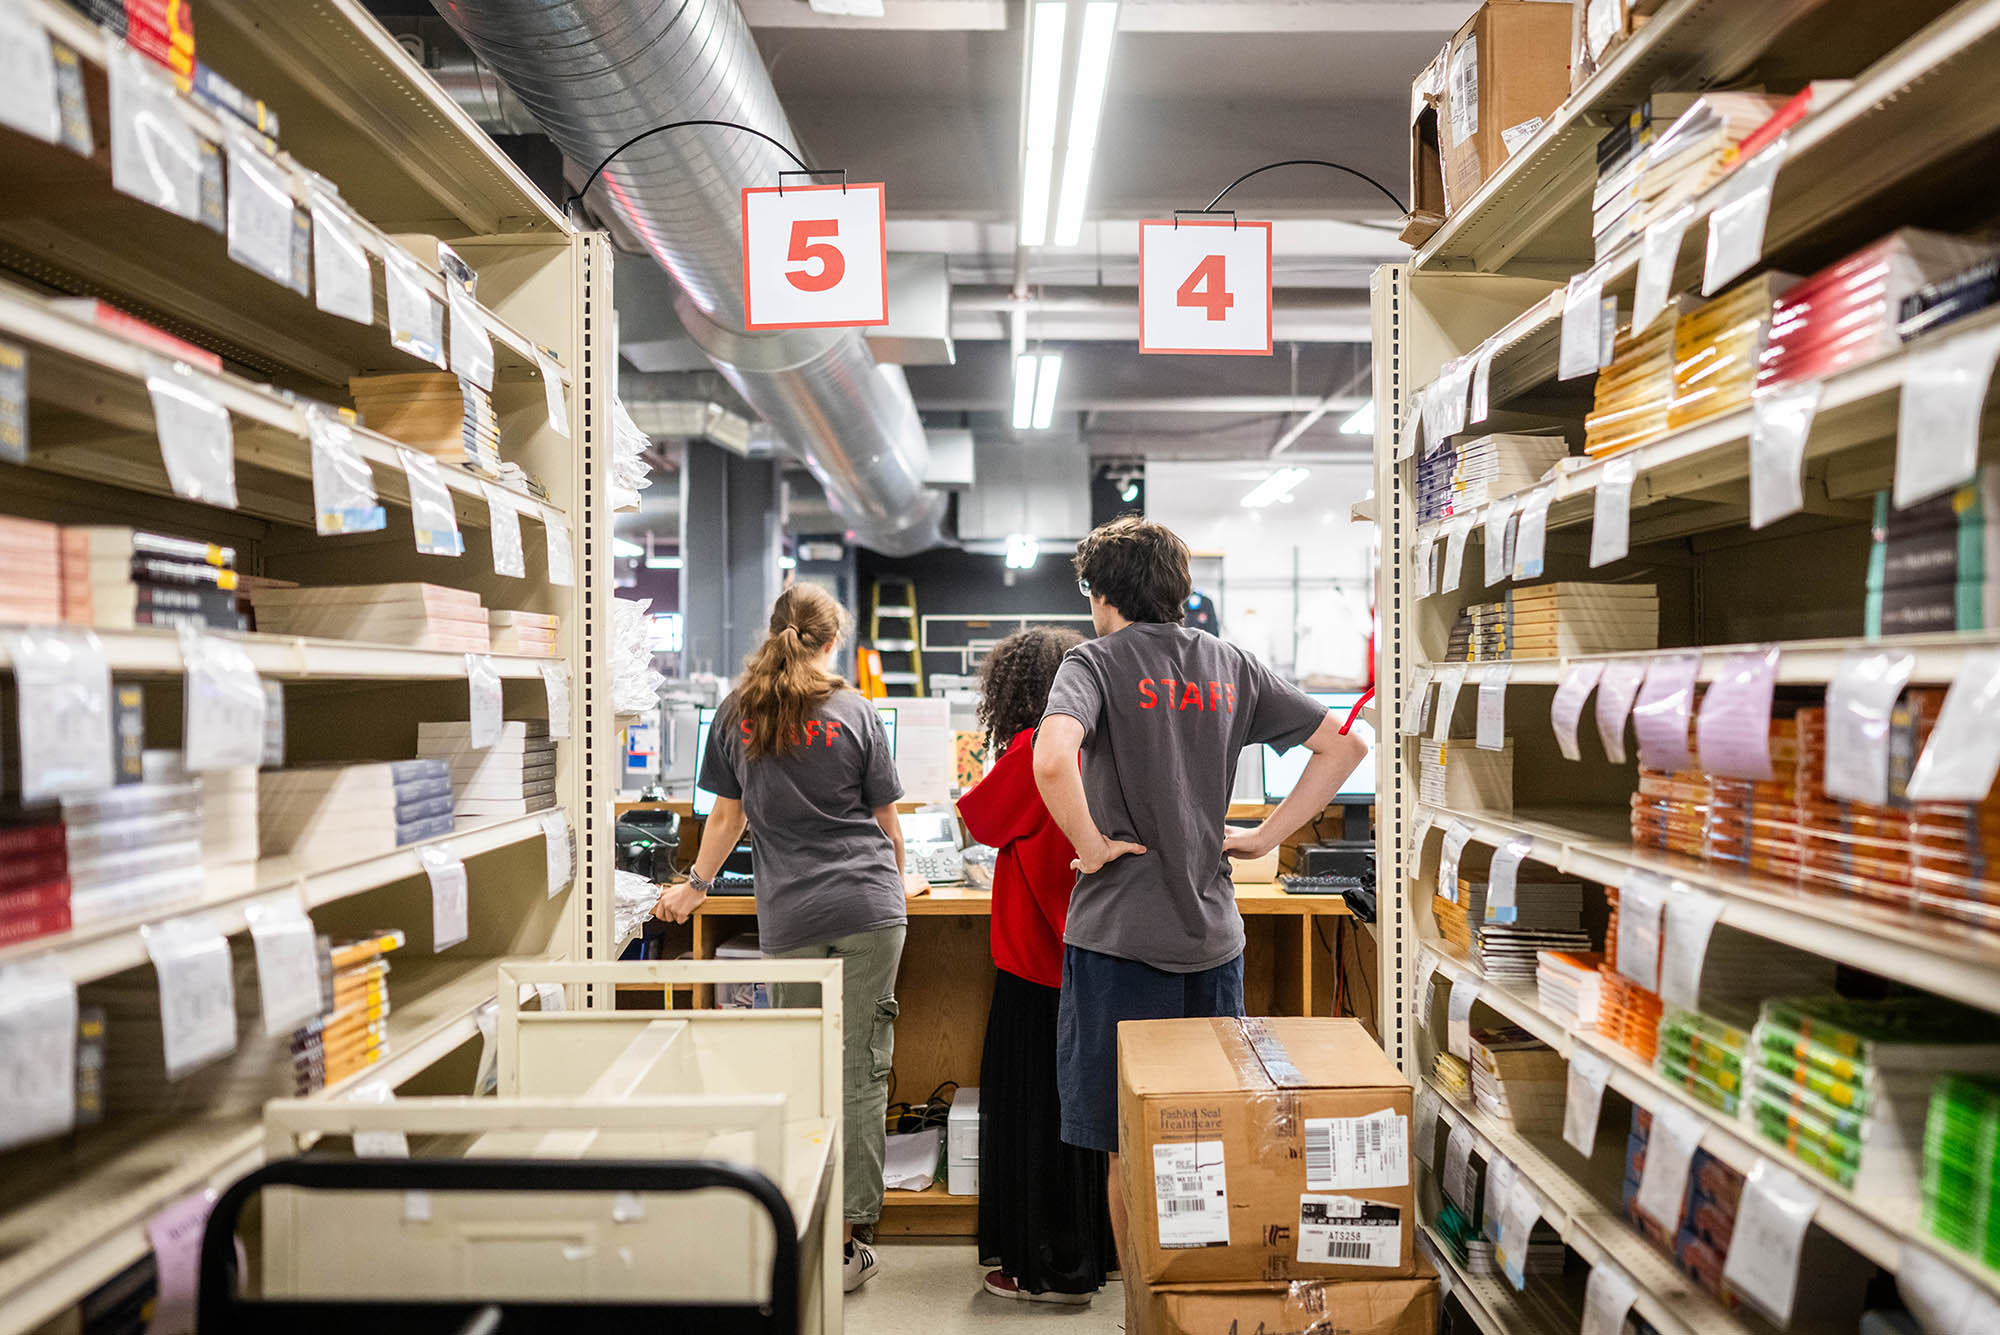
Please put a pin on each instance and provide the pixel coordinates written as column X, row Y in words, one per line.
column 38, row 880
column 15, row 929
column 159, row 570
column 28, row 840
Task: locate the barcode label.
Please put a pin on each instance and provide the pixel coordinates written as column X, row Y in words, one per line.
column 1340, row 1230
column 1350, row 1251
column 1352, row 1153
column 1191, row 1194
column 1174, row 1205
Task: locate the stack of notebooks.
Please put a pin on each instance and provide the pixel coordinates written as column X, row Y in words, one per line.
column 1547, row 915
column 34, row 880
column 354, row 1034
column 434, row 412
column 1566, row 986
column 410, row 616
column 33, row 578
column 1935, row 565
column 1935, row 305
column 229, row 848
column 1708, row 1210
column 1519, row 1079
column 1437, row 489
column 1621, row 154
column 516, row 776
column 1697, row 151
column 1704, row 1056
column 1849, row 312
column 332, row 815
column 1557, row 620
column 135, row 848
column 1493, row 466
column 1458, row 774
column 1717, row 347
column 135, row 579
column 1961, row 1175
column 1634, row 390
column 531, row 634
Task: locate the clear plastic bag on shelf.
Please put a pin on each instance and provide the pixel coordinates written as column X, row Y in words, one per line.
column 633, row 900
column 344, row 498
column 635, row 686
column 433, row 518
column 629, row 471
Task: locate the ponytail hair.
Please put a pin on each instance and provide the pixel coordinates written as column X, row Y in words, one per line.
column 783, row 683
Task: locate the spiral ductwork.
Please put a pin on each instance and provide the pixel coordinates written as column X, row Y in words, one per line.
column 594, row 73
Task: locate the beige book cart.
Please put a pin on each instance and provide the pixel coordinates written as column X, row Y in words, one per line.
column 753, row 1090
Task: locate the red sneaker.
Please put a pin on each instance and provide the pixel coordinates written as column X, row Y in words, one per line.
column 1003, row 1285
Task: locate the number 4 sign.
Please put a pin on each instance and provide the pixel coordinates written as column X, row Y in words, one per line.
column 1205, row 287
column 814, row 257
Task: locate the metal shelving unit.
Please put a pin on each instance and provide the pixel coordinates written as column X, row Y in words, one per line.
column 1911, row 142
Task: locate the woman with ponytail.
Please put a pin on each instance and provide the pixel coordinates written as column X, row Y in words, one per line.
column 803, row 762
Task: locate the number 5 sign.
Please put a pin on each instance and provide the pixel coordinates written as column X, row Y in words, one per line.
column 1205, row 287
column 814, row 257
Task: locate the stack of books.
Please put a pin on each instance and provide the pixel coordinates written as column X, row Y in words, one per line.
column 229, row 846
column 1621, row 153
column 1547, row 915
column 33, row 579
column 1493, row 466
column 1459, row 920
column 1634, row 390
column 135, row 848
column 1708, row 1209
column 327, row 816
column 1935, row 305
column 134, row 578
column 1698, row 150
column 34, row 880
column 1518, row 1078
column 1849, row 312
column 1935, row 565
column 1670, row 811
column 1566, row 986
column 354, row 1034
column 530, row 634
column 435, row 413
column 1717, row 347
column 1557, row 620
column 516, row 776
column 1752, row 824
column 1437, row 490
column 1459, row 775
column 1961, row 1176
column 1703, row 1055
column 410, row 616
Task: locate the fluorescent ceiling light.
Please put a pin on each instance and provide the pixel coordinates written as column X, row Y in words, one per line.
column 625, row 547
column 1086, row 109
column 1129, row 492
column 788, row 563
column 1045, row 390
column 1360, row 422
column 663, row 563
column 1022, row 551
column 1277, row 487
column 1024, row 390
column 1045, row 61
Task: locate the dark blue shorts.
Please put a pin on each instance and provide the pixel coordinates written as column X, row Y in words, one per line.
column 1098, row 991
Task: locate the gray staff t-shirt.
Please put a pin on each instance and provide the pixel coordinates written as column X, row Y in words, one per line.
column 824, row 867
column 1166, row 711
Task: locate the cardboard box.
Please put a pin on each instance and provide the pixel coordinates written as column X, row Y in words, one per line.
column 1426, row 213
column 1505, row 70
column 1263, row 1150
column 1307, row 1307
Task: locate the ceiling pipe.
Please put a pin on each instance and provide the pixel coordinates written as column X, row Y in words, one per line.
column 595, row 73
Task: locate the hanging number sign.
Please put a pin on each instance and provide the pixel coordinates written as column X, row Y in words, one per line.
column 815, row 256
column 1205, row 287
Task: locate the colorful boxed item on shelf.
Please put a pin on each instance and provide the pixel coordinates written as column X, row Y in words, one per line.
column 1567, row 986
column 1699, row 1241
column 1437, row 486
column 1696, row 151
column 1847, row 313
column 1703, row 1055
column 1506, row 70
column 1717, row 347
column 327, row 816
column 410, row 615
column 122, row 579
column 1935, row 565
column 1354, row 1307
column 1961, row 1177
column 1459, row 775
column 1518, row 1079
column 1218, row 1192
column 1620, row 157
column 1629, row 404
column 434, row 412
column 1935, row 305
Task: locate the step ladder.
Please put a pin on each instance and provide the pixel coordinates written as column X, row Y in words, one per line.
column 892, row 633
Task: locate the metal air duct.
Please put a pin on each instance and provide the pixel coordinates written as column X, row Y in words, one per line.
column 594, row 73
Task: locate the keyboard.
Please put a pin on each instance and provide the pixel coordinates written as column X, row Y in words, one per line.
column 735, row 883
column 1320, row 885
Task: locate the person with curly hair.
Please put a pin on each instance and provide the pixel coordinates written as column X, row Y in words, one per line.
column 1042, row 1204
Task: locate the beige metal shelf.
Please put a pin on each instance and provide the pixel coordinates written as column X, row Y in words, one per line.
column 156, row 651
column 1494, row 1305
column 1939, row 658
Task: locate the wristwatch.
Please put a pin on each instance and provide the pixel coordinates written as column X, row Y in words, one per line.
column 694, row 879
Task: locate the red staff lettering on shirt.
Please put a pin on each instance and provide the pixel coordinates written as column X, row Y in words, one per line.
column 1160, row 692
column 1146, row 696
column 824, row 732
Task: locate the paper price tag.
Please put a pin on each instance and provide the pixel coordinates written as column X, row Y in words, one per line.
column 378, row 1144
column 416, row 321
column 1420, row 829
column 1607, row 1300
column 1736, row 224
column 1616, row 689
column 1780, row 421
column 471, row 341
column 1642, row 899
column 1669, row 1153
column 1456, row 835
column 552, row 391
column 433, row 515
column 1942, row 1297
column 1500, row 1177
column 562, row 566
column 287, row 953
column 1733, row 730
column 197, row 992
column 559, row 851
column 1427, row 969
column 28, row 81
column 1423, row 574
column 1660, row 718
column 449, row 906
column 1582, row 330
column 1502, row 880
column 1771, row 1224
column 1425, row 1128
column 1458, row 1016
column 63, row 691
column 1589, row 1072
column 503, row 519
column 37, row 1049
column 1455, row 534
column 1450, row 682
column 1531, row 534
column 551, row 997
column 1518, row 1213
column 1412, row 430
column 223, row 714
column 1962, row 758
column 1481, row 407
column 260, row 206
column 1686, row 925
column 1498, row 551
column 155, row 154
column 1611, row 515
column 1566, row 710
column 1415, row 699
column 1859, row 700
column 195, row 440
column 1938, row 419
column 1492, row 734
column 1453, row 383
column 1423, row 705
column 344, row 499
column 175, row 1234
column 343, row 284
column 1659, row 255
column 482, row 682
column 13, row 403
column 555, row 688
column 1457, row 1182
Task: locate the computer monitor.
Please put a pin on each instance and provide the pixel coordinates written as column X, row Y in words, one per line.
column 1281, row 772
column 704, row 801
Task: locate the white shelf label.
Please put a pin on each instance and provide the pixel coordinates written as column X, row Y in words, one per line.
column 1458, row 1016
column 1660, row 718
column 1423, row 568
column 195, row 440
column 1497, row 550
column 197, row 992
column 1736, row 223
column 344, row 499
column 1566, row 710
column 28, row 101
column 1589, row 1072
column 156, row 156
column 1733, row 729
column 1456, row 835
column 1531, row 534
column 1455, row 534
column 562, row 566
column 1859, row 700
column 1480, row 407
column 1659, row 255
column 223, row 715
column 1607, row 1300
column 1457, row 1183
column 471, row 341
column 482, row 681
column 1416, row 699
column 551, row 997
column 552, row 391
column 1492, row 734
column 1518, row 1214
column 1582, row 347
column 37, row 1048
column 1425, row 1127
column 1357, row 1153
column 287, row 961
column 1642, row 898
column 342, row 282
column 1191, row 1194
column 1937, row 421
column 558, row 851
column 378, row 1144
column 416, row 321
column 449, row 907
column 555, row 688
column 433, row 516
column 1617, row 688
column 1500, row 1175
column 1611, row 515
column 260, row 206
column 1420, row 830
column 1406, row 439
column 503, row 519
column 1686, row 926
column 1943, row 1298
column 1427, row 969
column 1780, row 421
column 1502, row 880
column 1962, row 758
column 1771, row 1223
column 1450, row 682
column 63, row 700
column 1669, row 1154
column 1453, row 384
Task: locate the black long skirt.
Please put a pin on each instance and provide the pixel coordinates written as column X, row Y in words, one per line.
column 1043, row 1215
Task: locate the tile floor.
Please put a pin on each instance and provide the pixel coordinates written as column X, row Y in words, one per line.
column 933, row 1288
